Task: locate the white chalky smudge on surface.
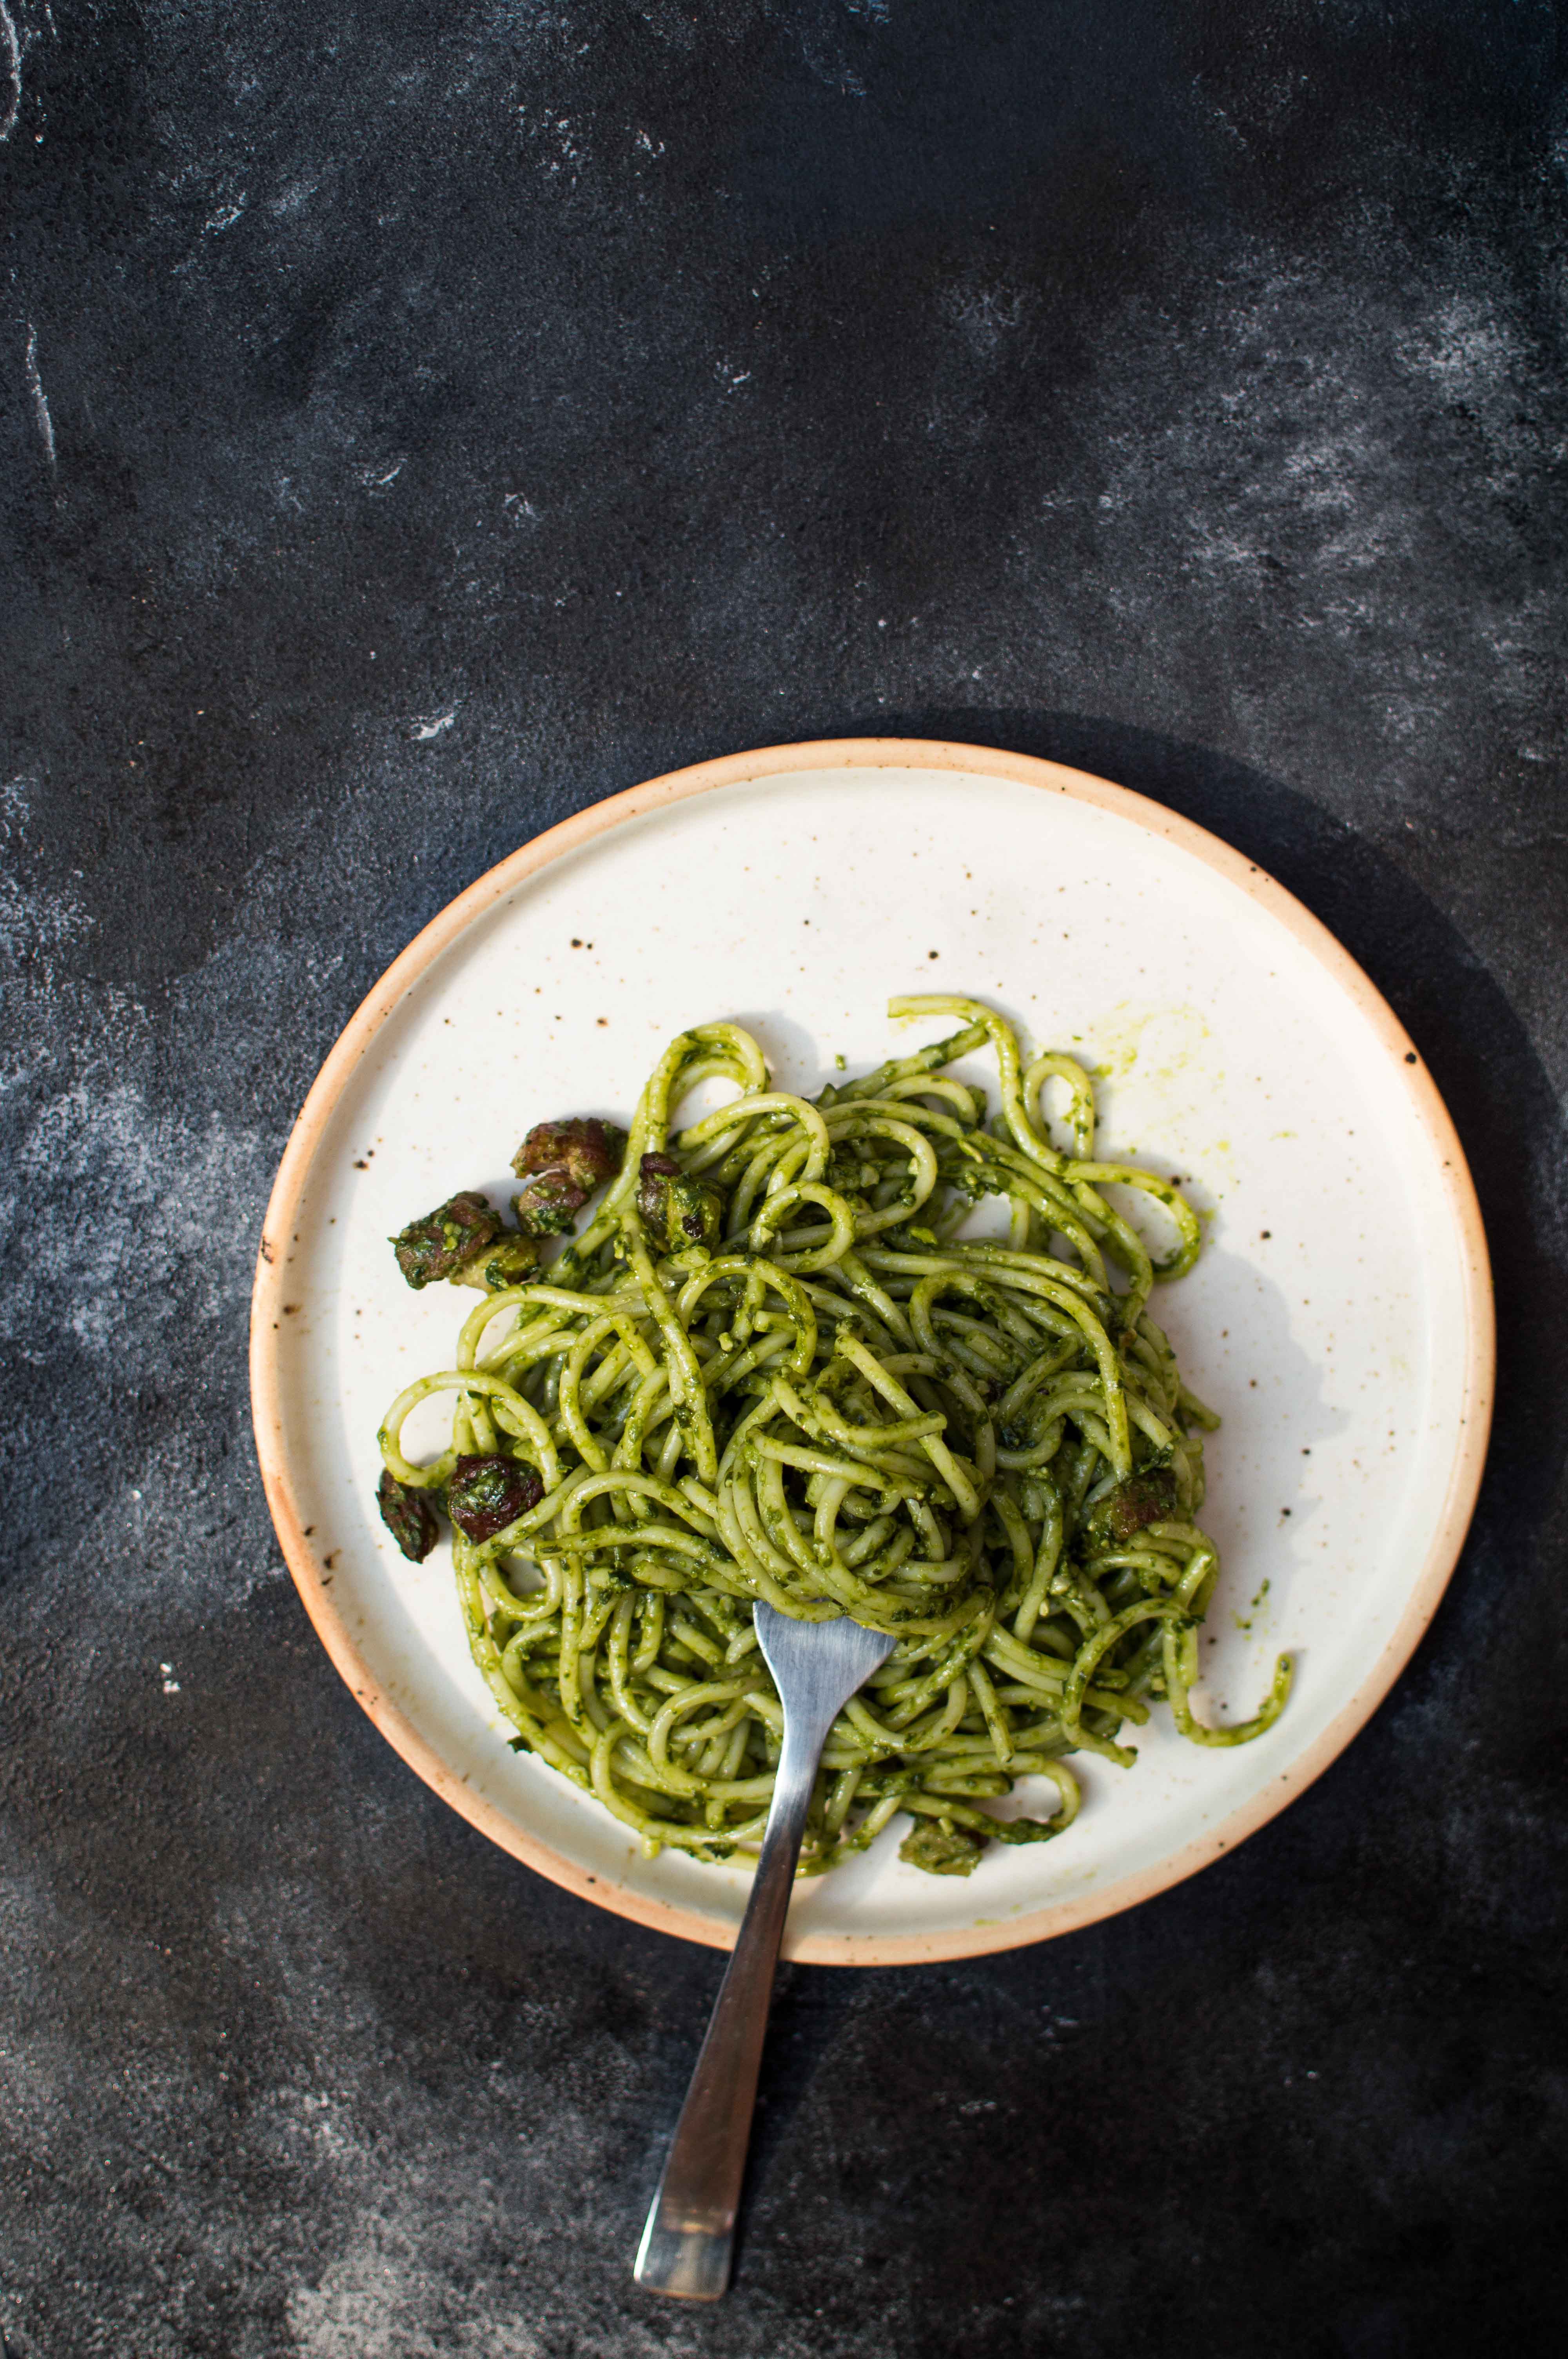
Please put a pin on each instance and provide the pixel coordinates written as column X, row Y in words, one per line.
column 38, row 397
column 145, row 1214
column 984, row 314
column 11, row 70
column 33, row 919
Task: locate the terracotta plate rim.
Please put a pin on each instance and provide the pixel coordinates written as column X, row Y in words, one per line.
column 741, row 769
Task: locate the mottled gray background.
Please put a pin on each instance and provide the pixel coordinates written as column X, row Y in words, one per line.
column 416, row 423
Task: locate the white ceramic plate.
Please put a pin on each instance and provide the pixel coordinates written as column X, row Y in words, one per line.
column 1340, row 1318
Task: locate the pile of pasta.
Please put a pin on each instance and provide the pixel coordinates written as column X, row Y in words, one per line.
column 776, row 1365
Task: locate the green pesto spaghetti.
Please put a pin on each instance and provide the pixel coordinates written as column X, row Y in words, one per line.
column 774, row 1366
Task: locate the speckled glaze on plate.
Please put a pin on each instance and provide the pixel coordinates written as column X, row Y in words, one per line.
column 1340, row 1319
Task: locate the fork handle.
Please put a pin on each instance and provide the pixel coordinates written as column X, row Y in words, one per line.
column 690, row 2230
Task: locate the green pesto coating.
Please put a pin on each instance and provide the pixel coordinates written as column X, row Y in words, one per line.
column 408, row 1517
column 563, row 1163
column 882, row 1352
column 677, row 1210
column 508, row 1260
column 942, row 1850
column 444, row 1240
column 549, row 1204
column 1147, row 1497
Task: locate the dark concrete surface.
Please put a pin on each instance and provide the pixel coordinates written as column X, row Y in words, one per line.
column 415, row 424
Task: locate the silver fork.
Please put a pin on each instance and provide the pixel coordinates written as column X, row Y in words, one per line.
column 690, row 2231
